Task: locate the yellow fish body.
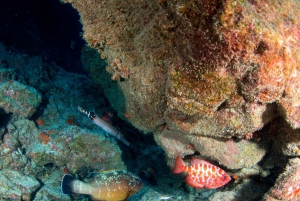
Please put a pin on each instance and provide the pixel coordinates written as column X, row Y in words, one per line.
column 109, row 186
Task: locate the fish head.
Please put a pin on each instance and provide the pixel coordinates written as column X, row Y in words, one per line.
column 135, row 184
column 224, row 178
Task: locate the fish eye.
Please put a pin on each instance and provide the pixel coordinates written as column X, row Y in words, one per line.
column 224, row 177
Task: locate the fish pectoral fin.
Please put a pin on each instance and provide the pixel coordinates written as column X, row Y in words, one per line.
column 193, row 183
column 95, row 198
column 128, row 195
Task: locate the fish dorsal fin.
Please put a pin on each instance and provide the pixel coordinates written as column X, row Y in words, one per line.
column 195, row 161
column 92, row 175
column 111, row 171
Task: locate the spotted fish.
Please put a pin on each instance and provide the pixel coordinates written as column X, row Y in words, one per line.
column 114, row 185
column 202, row 174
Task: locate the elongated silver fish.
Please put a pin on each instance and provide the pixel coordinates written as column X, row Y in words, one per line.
column 113, row 185
column 104, row 125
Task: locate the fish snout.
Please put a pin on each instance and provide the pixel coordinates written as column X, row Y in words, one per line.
column 226, row 178
column 138, row 184
column 135, row 183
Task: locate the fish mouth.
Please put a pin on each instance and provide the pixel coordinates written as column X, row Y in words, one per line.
column 141, row 183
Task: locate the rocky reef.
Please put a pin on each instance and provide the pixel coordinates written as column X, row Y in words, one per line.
column 218, row 79
column 211, row 59
column 43, row 135
column 213, row 79
column 287, row 184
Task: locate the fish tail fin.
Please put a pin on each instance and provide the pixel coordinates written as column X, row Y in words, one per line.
column 82, row 110
column 125, row 141
column 121, row 137
column 179, row 165
column 67, row 184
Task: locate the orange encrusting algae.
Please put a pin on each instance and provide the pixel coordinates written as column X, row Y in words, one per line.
column 202, row 174
column 71, row 121
column 44, row 138
column 39, row 122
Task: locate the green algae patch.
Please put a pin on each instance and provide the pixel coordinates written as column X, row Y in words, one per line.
column 78, row 145
column 200, row 93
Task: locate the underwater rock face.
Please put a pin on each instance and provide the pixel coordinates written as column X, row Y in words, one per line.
column 67, row 145
column 198, row 72
column 247, row 190
column 57, row 139
column 115, row 25
column 287, row 185
column 12, row 154
column 70, row 146
column 18, row 98
column 207, row 56
column 16, row 185
column 233, row 154
column 288, row 141
column 50, row 190
column 219, row 64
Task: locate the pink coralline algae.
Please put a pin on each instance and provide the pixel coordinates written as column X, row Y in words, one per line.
column 208, row 73
column 18, row 98
column 35, row 145
column 16, row 185
column 274, row 57
column 10, row 144
column 287, row 140
column 75, row 150
column 287, row 185
column 216, row 62
column 229, row 153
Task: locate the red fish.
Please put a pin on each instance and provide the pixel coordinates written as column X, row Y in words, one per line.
column 202, row 174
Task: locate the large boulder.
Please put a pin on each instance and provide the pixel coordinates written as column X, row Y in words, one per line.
column 18, row 98
column 16, row 185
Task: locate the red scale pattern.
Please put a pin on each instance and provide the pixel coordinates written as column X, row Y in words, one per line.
column 202, row 174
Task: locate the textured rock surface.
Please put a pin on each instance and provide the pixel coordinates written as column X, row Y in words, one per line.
column 18, row 98
column 201, row 75
column 51, row 190
column 111, row 28
column 43, row 135
column 287, row 185
column 48, row 193
column 215, row 69
column 205, row 55
column 70, row 146
column 233, row 154
column 16, row 185
column 247, row 190
column 288, row 141
column 61, row 135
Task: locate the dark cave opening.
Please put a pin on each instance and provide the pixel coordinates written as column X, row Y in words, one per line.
column 48, row 28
